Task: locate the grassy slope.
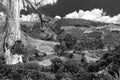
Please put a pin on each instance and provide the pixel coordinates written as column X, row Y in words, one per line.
column 47, row 46
column 41, row 45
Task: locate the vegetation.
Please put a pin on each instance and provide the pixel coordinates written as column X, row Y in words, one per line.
column 66, row 66
column 18, row 48
column 37, row 32
column 77, row 23
column 69, row 61
column 106, row 68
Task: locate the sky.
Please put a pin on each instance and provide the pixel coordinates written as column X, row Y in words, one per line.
column 96, row 10
column 63, row 7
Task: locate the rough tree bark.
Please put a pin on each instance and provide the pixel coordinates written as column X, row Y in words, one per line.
column 14, row 32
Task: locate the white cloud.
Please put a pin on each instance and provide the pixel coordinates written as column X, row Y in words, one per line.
column 90, row 15
column 30, row 18
column 46, row 2
column 58, row 17
column 95, row 15
column 42, row 2
column 108, row 19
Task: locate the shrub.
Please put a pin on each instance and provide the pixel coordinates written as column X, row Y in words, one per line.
column 57, row 64
column 18, row 48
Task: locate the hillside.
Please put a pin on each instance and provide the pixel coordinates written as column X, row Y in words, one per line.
column 65, row 49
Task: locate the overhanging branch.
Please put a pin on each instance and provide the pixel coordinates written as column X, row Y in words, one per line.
column 40, row 16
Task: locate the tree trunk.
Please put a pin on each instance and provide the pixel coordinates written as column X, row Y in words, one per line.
column 14, row 31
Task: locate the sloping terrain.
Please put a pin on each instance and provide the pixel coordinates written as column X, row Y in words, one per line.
column 41, row 45
column 83, row 50
column 78, row 28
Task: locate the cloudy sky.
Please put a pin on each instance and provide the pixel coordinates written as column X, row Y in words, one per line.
column 97, row 10
column 63, row 7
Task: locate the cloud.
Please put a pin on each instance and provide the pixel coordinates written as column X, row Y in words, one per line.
column 108, row 19
column 95, row 15
column 42, row 2
column 90, row 15
column 46, row 2
column 29, row 18
column 58, row 17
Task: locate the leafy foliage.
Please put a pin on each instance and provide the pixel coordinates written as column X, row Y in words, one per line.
column 57, row 64
column 70, row 41
column 66, row 66
column 23, row 72
column 106, row 68
column 18, row 48
column 36, row 31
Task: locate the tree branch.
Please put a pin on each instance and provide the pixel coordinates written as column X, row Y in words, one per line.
column 39, row 3
column 40, row 16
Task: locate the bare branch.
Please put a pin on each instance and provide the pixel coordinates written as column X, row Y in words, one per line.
column 40, row 16
column 39, row 3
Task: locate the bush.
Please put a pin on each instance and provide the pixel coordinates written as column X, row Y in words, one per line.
column 89, row 44
column 83, row 76
column 21, row 71
column 57, row 65
column 70, row 41
column 60, row 50
column 18, row 48
column 72, row 66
